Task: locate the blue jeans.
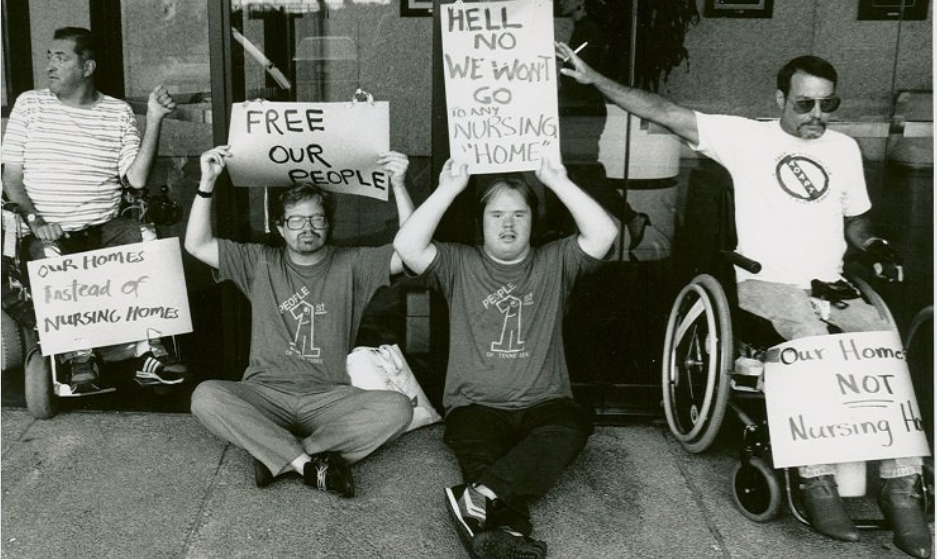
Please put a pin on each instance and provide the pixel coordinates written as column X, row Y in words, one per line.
column 518, row 454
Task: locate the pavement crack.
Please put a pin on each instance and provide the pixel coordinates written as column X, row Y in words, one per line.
column 697, row 495
column 200, row 514
column 24, row 437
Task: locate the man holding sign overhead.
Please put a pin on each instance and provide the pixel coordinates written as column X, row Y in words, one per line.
column 294, row 410
column 510, row 417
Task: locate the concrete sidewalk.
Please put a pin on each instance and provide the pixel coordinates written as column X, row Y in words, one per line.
column 151, row 485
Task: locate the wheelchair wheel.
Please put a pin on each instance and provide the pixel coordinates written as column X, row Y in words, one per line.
column 875, row 300
column 12, row 352
column 698, row 351
column 919, row 353
column 756, row 490
column 41, row 401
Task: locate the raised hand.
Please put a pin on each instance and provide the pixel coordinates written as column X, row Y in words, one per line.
column 396, row 165
column 457, row 181
column 160, row 103
column 580, row 71
column 551, row 173
column 212, row 162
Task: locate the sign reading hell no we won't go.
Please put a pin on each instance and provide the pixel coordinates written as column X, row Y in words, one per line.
column 501, row 92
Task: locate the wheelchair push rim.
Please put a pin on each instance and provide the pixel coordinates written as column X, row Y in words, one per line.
column 698, row 350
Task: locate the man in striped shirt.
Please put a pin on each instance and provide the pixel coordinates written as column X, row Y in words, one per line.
column 66, row 152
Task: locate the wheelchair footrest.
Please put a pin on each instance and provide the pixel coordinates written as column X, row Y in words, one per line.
column 78, row 390
column 149, row 383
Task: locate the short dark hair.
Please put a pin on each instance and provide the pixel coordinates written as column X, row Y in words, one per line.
column 808, row 64
column 509, row 182
column 302, row 192
column 85, row 46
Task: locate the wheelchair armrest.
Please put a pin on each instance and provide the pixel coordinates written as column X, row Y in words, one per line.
column 742, row 262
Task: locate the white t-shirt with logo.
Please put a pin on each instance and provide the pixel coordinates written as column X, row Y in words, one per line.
column 791, row 195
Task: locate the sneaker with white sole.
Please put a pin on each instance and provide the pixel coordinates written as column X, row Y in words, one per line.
column 164, row 369
column 468, row 509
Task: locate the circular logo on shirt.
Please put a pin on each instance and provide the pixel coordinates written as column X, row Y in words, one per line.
column 802, row 178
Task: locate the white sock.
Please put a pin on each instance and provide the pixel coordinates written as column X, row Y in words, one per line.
column 299, row 464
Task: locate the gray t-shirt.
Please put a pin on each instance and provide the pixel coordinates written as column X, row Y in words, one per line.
column 304, row 318
column 506, row 323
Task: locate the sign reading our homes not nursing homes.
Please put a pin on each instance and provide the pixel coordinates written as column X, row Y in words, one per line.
column 501, row 92
column 841, row 398
column 110, row 296
column 333, row 145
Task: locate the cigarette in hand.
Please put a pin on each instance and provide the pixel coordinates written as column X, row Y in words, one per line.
column 579, row 48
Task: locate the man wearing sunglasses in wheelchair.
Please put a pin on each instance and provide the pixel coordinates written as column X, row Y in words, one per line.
column 67, row 152
column 800, row 197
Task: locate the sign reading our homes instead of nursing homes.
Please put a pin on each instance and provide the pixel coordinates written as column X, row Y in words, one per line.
column 500, row 74
column 332, row 145
column 110, row 296
column 841, row 398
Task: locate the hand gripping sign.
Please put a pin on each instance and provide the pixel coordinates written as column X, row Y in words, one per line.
column 110, row 296
column 841, row 398
column 500, row 73
column 332, row 145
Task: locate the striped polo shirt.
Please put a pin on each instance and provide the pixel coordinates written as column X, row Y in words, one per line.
column 72, row 158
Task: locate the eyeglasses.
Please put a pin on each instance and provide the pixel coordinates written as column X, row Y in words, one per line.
column 804, row 106
column 297, row 222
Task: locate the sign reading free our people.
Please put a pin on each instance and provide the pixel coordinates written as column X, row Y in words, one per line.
column 500, row 74
column 110, row 296
column 841, row 398
column 333, row 145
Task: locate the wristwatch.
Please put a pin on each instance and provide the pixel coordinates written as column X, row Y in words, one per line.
column 31, row 217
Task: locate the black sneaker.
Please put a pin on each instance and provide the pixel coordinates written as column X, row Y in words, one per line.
column 329, row 472
column 164, row 369
column 468, row 509
column 505, row 543
column 84, row 369
column 262, row 474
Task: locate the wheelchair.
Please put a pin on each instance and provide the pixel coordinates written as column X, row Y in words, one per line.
column 712, row 363
column 44, row 383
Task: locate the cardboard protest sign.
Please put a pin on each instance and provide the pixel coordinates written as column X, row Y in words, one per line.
column 500, row 75
column 110, row 296
column 333, row 145
column 841, row 398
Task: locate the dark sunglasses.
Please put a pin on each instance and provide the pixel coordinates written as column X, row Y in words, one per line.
column 804, row 106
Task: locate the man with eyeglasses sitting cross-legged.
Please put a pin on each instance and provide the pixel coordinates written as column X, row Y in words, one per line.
column 294, row 410
column 800, row 197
